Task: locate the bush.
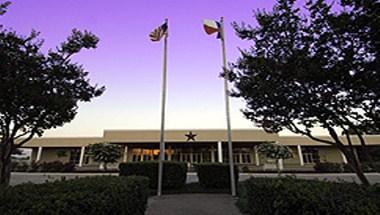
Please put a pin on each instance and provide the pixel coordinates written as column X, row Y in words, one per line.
column 55, row 166
column 365, row 166
column 215, row 175
column 328, row 167
column 19, row 166
column 340, row 167
column 91, row 195
column 174, row 173
column 376, row 167
column 294, row 196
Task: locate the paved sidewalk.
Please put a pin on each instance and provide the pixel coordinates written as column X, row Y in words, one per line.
column 192, row 204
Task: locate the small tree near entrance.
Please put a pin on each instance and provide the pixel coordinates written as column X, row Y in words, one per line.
column 104, row 153
column 276, row 152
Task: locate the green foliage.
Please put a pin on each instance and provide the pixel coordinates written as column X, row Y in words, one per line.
column 19, row 167
column 54, row 166
column 314, row 70
column 275, row 151
column 61, row 153
column 39, row 90
column 174, row 173
column 3, row 7
column 283, row 196
column 340, row 167
column 367, row 167
column 47, row 87
column 322, row 78
column 91, row 195
column 328, row 167
column 104, row 152
column 215, row 175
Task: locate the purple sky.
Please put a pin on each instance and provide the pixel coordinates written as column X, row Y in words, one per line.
column 129, row 65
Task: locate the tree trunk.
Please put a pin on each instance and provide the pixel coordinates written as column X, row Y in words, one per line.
column 351, row 158
column 356, row 166
column 278, row 167
column 5, row 163
column 105, row 167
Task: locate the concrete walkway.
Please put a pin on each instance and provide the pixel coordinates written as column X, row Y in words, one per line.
column 192, row 204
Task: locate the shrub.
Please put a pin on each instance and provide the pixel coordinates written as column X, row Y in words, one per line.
column 328, row 167
column 294, row 196
column 55, row 166
column 19, row 166
column 215, row 175
column 365, row 166
column 376, row 166
column 91, row 195
column 174, row 173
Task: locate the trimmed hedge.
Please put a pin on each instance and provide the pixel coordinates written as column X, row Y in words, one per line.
column 90, row 195
column 340, row 167
column 174, row 173
column 328, row 167
column 54, row 166
column 283, row 196
column 215, row 175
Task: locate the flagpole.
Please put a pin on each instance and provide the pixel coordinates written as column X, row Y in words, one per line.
column 162, row 133
column 226, row 91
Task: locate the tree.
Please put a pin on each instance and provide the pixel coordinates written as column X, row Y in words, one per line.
column 104, row 153
column 39, row 91
column 304, row 72
column 275, row 151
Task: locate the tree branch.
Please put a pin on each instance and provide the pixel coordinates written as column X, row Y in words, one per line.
column 25, row 140
column 308, row 134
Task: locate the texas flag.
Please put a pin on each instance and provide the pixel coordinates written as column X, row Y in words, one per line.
column 211, row 27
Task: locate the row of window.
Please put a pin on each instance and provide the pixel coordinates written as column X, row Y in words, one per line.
column 310, row 155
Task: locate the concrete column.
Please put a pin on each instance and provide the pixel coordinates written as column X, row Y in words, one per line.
column 240, row 158
column 212, row 155
column 251, row 157
column 257, row 158
column 281, row 164
column 191, row 157
column 300, row 155
column 125, row 156
column 169, row 153
column 81, row 158
column 39, row 154
column 343, row 157
column 220, row 152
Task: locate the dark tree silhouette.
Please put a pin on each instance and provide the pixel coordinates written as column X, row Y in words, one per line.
column 319, row 70
column 38, row 91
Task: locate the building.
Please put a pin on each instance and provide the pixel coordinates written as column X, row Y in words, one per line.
column 193, row 146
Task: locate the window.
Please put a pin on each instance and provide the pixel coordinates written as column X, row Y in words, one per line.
column 246, row 158
column 310, row 155
column 237, row 158
column 242, row 157
column 75, row 156
column 136, row 157
column 197, row 158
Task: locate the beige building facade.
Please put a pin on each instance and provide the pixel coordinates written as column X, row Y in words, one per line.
column 193, row 146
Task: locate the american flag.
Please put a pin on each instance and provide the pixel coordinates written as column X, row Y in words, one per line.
column 159, row 32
